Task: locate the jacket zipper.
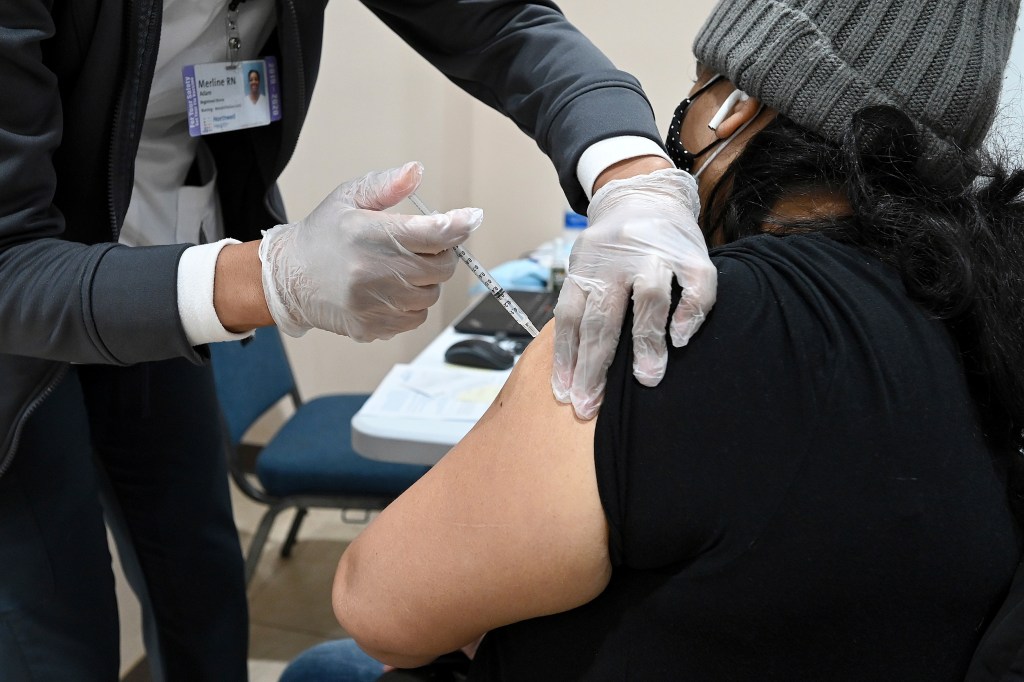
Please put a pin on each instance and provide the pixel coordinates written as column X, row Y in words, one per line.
column 295, row 43
column 299, row 70
column 130, row 78
column 115, row 129
column 19, row 425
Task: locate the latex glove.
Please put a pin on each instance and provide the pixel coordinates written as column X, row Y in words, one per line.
column 352, row 269
column 643, row 230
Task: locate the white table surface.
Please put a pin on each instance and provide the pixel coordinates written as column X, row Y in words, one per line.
column 414, row 440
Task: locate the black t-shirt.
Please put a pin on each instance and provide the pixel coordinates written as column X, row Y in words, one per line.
column 805, row 496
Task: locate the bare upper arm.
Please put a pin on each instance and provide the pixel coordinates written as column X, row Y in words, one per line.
column 507, row 526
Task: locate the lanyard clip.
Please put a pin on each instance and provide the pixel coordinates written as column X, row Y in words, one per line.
column 234, row 39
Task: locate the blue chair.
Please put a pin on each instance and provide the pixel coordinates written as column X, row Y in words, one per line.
column 309, row 463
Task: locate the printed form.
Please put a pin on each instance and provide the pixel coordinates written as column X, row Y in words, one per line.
column 435, row 393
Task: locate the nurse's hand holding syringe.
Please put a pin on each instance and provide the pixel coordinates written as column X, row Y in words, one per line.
column 354, row 269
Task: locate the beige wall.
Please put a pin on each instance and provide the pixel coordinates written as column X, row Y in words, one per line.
column 378, row 104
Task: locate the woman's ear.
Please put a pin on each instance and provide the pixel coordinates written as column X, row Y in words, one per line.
column 744, row 111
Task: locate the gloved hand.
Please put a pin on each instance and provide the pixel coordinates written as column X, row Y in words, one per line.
column 351, row 269
column 643, row 230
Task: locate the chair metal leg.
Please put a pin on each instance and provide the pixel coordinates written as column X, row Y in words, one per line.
column 293, row 532
column 258, row 540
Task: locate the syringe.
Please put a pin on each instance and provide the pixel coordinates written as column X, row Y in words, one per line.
column 485, row 278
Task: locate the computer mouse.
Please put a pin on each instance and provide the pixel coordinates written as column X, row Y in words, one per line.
column 482, row 353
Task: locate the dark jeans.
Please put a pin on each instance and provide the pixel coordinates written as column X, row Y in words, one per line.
column 142, row 446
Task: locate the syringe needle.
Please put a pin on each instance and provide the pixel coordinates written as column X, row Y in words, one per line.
column 495, row 289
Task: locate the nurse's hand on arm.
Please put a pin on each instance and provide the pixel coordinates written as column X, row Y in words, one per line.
column 507, row 526
column 643, row 231
column 348, row 267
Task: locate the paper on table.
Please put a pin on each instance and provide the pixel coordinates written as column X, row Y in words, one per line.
column 438, row 393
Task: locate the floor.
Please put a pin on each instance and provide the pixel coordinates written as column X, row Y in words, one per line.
column 289, row 599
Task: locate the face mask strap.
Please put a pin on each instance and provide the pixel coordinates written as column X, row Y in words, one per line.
column 726, row 142
column 680, row 156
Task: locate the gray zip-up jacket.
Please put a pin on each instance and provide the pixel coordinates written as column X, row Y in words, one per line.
column 75, row 79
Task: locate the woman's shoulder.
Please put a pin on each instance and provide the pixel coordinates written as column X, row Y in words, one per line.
column 827, row 280
column 811, row 251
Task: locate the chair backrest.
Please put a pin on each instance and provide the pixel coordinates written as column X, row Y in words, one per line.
column 251, row 377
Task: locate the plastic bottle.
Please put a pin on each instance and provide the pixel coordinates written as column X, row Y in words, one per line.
column 573, row 223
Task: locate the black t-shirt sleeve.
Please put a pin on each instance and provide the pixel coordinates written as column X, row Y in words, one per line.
column 696, row 465
column 804, row 496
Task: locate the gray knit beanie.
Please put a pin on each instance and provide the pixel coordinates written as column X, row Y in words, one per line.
column 940, row 62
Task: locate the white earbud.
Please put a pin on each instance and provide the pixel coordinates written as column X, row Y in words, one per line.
column 731, row 101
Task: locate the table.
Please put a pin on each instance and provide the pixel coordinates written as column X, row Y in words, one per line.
column 393, row 434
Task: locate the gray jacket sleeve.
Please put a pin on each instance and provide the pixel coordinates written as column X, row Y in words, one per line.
column 527, row 61
column 60, row 299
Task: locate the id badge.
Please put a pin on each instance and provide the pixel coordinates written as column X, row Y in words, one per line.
column 225, row 96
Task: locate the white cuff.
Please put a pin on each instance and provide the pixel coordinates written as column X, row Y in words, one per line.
column 600, row 155
column 195, row 294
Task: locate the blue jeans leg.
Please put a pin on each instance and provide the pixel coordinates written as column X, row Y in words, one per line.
column 338, row 661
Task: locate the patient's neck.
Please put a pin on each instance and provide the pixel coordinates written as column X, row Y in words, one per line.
column 798, row 212
column 811, row 205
